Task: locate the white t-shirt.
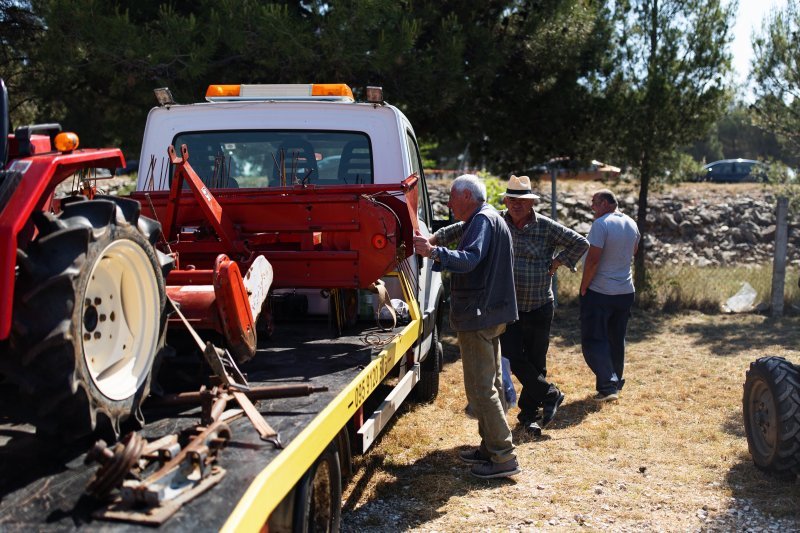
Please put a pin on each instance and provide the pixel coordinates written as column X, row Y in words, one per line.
column 617, row 234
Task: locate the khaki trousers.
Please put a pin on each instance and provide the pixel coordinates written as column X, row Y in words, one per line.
column 483, row 383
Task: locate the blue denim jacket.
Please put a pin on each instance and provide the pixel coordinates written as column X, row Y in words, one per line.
column 482, row 282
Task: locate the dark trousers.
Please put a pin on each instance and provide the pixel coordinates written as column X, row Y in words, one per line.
column 525, row 345
column 604, row 322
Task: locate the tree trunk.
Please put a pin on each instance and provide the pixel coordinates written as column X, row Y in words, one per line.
column 647, row 163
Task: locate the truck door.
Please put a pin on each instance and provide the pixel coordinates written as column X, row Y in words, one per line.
column 424, row 214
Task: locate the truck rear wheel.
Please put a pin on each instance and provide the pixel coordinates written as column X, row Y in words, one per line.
column 427, row 388
column 89, row 316
column 318, row 504
column 771, row 405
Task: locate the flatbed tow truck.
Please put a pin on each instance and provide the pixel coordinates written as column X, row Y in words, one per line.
column 266, row 442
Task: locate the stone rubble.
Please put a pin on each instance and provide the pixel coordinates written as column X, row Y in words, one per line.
column 682, row 228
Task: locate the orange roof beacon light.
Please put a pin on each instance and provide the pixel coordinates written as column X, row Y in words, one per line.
column 331, row 89
column 285, row 91
column 66, row 141
column 221, row 91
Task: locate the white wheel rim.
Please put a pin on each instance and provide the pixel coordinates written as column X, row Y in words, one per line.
column 120, row 319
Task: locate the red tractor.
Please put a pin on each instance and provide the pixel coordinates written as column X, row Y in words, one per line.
column 82, row 317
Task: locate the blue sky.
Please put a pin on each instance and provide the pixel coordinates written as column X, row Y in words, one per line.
column 749, row 17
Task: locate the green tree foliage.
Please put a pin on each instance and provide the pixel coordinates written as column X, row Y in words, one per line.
column 736, row 135
column 668, row 84
column 19, row 30
column 506, row 78
column 776, row 76
column 532, row 99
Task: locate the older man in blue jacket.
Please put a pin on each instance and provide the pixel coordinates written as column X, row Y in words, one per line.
column 482, row 302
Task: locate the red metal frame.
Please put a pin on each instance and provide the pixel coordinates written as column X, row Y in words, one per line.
column 327, row 237
column 34, row 193
column 314, row 236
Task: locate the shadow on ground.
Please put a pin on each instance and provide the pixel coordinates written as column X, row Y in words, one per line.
column 572, row 413
column 757, row 492
column 412, row 496
column 565, row 331
column 728, row 336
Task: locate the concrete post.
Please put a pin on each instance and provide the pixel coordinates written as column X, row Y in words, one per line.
column 779, row 262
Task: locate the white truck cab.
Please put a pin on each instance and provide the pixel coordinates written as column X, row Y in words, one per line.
column 259, row 136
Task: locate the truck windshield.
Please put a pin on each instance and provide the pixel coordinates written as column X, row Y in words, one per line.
column 259, row 159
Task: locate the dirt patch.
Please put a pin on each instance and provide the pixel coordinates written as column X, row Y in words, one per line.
column 670, row 455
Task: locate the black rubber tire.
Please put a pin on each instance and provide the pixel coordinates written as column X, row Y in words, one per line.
column 771, row 405
column 318, row 503
column 56, row 318
column 427, row 388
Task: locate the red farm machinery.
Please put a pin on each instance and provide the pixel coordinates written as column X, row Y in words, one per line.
column 90, row 283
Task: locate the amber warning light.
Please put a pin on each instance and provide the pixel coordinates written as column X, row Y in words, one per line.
column 66, row 141
column 285, row 91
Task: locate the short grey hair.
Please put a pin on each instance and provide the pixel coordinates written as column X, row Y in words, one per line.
column 471, row 183
column 608, row 196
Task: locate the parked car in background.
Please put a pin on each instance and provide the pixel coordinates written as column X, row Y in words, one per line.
column 734, row 171
column 570, row 169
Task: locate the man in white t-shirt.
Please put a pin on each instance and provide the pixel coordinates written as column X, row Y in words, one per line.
column 607, row 293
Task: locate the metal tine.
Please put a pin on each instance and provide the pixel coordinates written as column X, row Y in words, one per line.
column 283, row 165
column 307, row 176
column 165, row 171
column 149, row 182
column 277, row 166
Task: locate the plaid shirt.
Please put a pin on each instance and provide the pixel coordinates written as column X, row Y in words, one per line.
column 535, row 248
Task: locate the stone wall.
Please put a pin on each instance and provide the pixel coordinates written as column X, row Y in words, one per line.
column 682, row 227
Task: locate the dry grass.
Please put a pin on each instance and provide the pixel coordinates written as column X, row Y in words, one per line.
column 670, row 455
column 688, row 287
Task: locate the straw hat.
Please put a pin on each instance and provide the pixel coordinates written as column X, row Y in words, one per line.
column 520, row 187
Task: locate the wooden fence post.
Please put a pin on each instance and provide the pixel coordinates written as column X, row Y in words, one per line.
column 554, row 216
column 779, row 262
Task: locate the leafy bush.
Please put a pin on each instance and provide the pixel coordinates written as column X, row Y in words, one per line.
column 684, row 168
column 494, row 189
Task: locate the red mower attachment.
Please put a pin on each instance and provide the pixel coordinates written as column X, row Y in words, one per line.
column 325, row 237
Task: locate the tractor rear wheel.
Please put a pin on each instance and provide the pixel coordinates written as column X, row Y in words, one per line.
column 89, row 315
column 771, row 405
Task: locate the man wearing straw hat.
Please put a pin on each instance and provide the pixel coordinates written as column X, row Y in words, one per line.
column 541, row 245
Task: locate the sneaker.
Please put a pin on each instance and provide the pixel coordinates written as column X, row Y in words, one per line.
column 474, row 456
column 491, row 470
column 532, row 429
column 610, row 397
column 550, row 407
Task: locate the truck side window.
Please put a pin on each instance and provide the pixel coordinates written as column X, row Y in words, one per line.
column 423, row 204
